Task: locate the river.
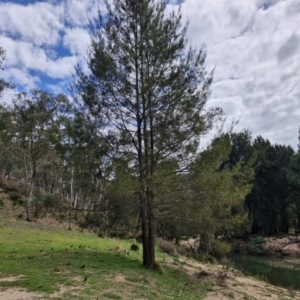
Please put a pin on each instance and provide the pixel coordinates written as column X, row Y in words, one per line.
column 278, row 271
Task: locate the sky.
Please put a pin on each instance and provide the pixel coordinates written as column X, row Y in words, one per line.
column 254, row 46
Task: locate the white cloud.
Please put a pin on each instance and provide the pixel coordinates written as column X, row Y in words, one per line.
column 77, row 12
column 253, row 43
column 61, row 67
column 7, row 96
column 76, row 40
column 27, row 56
column 22, row 77
column 39, row 23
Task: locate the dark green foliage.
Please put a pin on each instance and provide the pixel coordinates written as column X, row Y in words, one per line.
column 45, row 203
column 14, row 195
column 168, row 229
column 256, row 246
column 134, row 247
column 241, row 147
column 101, row 234
column 208, row 259
column 119, row 234
column 113, row 234
column 93, row 220
column 21, row 201
column 50, row 200
column 293, row 177
column 218, row 190
column 139, row 238
column 123, row 235
column 269, row 201
column 221, row 249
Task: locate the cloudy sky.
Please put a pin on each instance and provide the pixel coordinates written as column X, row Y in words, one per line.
column 254, row 44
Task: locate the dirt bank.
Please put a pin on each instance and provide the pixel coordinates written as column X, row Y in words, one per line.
column 275, row 246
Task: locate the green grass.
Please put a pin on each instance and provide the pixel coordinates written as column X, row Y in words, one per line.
column 89, row 267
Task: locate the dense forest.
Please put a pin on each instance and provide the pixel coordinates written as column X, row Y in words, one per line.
column 121, row 151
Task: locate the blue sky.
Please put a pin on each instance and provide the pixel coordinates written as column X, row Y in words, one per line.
column 254, row 45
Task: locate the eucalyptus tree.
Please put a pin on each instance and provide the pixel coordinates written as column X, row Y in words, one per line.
column 5, row 157
column 30, row 131
column 83, row 152
column 3, row 83
column 149, row 91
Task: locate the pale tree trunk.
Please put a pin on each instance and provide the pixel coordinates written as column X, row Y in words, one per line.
column 71, row 197
column 31, row 194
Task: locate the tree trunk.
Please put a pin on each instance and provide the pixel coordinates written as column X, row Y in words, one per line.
column 30, row 196
column 151, row 234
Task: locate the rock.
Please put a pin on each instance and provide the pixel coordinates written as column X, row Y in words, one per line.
column 288, row 246
column 291, row 250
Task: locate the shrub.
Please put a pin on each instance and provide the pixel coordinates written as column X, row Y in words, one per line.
column 20, row 216
column 24, row 189
column 93, row 220
column 166, row 246
column 208, row 259
column 50, row 200
column 256, row 246
column 134, row 247
column 131, row 235
column 101, row 234
column 21, row 202
column 61, row 217
column 14, row 195
column 158, row 268
column 220, row 249
column 113, row 234
column 1, row 202
column 8, row 184
column 123, row 235
column 182, row 250
column 221, row 278
column 139, row 238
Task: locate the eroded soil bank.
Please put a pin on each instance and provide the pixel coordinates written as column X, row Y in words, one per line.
column 274, row 246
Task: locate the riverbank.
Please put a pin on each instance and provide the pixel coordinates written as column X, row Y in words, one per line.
column 274, row 246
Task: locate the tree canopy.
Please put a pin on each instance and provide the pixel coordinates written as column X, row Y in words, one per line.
column 149, row 91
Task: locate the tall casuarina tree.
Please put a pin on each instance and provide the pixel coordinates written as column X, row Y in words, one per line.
column 148, row 90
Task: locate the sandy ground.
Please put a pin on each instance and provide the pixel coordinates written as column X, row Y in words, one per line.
column 232, row 284
column 15, row 293
column 22, row 294
column 227, row 284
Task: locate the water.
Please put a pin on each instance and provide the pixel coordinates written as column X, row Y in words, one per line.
column 278, row 271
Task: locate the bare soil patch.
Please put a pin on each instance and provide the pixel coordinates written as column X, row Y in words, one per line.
column 228, row 283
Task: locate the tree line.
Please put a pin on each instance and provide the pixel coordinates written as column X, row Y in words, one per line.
column 124, row 146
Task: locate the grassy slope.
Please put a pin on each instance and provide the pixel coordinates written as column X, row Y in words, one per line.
column 91, row 268
column 59, row 264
